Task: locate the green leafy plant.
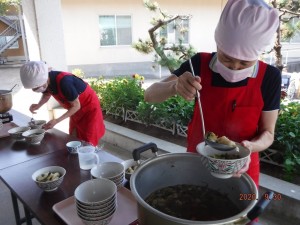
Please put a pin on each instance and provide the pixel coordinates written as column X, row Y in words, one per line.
column 124, row 92
column 153, row 113
column 180, row 110
column 287, row 136
column 174, row 109
column 5, row 5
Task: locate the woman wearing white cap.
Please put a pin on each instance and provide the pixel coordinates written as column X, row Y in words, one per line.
column 240, row 95
column 75, row 95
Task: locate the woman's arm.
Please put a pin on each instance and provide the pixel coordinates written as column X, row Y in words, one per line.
column 162, row 90
column 265, row 137
column 266, row 130
column 75, row 106
column 184, row 85
column 45, row 98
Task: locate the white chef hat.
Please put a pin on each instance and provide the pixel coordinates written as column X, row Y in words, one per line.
column 246, row 28
column 34, row 74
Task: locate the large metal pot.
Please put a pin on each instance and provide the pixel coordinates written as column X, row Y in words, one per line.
column 187, row 168
column 5, row 100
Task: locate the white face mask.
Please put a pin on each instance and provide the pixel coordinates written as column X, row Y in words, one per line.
column 233, row 75
column 41, row 89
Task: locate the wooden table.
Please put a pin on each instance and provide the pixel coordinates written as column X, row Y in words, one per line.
column 18, row 160
column 38, row 202
column 14, row 152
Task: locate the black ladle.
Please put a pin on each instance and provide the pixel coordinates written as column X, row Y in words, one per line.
column 218, row 146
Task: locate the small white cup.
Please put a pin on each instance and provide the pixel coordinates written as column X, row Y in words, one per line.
column 87, row 157
column 73, row 146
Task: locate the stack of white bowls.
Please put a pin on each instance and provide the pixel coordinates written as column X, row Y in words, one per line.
column 113, row 171
column 96, row 201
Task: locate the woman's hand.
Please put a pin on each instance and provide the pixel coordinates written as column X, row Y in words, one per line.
column 187, row 85
column 50, row 124
column 246, row 144
column 33, row 108
column 244, row 169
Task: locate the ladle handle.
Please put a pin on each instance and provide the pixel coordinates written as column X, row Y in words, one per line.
column 14, row 87
column 260, row 206
column 199, row 102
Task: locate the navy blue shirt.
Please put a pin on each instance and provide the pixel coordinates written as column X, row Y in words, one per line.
column 71, row 86
column 270, row 88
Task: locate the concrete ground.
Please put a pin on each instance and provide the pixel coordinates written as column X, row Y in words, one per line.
column 21, row 101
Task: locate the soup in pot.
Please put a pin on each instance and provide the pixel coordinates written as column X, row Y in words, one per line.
column 192, row 202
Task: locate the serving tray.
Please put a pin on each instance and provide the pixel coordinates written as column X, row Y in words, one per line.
column 126, row 211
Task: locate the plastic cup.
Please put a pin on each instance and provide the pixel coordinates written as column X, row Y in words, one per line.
column 87, row 157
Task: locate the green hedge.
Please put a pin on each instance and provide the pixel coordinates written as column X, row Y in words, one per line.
column 127, row 93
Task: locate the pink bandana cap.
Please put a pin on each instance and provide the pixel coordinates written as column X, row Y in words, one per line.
column 246, row 28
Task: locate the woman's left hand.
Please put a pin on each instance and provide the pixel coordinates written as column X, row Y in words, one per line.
column 50, row 124
column 248, row 145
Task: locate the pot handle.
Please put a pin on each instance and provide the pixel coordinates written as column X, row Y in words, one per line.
column 260, row 205
column 138, row 151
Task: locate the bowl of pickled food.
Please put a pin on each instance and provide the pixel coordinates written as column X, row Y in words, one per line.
column 224, row 164
column 49, row 178
column 129, row 166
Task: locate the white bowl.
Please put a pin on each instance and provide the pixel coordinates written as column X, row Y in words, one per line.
column 16, row 132
column 73, row 146
column 223, row 168
column 109, row 170
column 34, row 136
column 37, row 124
column 102, row 206
column 95, row 213
column 127, row 164
column 97, row 220
column 49, row 185
column 83, row 209
column 95, row 192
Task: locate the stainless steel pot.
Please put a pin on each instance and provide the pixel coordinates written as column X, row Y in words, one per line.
column 5, row 100
column 187, row 168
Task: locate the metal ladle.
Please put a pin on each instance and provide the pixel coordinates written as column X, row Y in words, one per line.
column 221, row 147
column 13, row 87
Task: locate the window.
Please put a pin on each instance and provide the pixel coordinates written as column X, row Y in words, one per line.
column 296, row 38
column 115, row 30
column 5, row 39
column 176, row 30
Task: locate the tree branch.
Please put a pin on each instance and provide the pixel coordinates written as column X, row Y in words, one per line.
column 151, row 31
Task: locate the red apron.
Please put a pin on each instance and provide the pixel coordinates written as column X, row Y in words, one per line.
column 231, row 112
column 88, row 120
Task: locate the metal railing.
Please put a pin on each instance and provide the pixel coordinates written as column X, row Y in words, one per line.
column 9, row 36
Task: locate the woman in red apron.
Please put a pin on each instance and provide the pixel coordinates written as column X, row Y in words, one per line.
column 75, row 95
column 240, row 95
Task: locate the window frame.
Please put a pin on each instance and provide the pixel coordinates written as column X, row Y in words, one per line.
column 116, row 30
column 176, row 42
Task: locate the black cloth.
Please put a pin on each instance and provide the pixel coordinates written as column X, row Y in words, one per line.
column 71, row 86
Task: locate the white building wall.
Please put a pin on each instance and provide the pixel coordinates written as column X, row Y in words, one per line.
column 31, row 29
column 82, row 39
column 51, row 33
